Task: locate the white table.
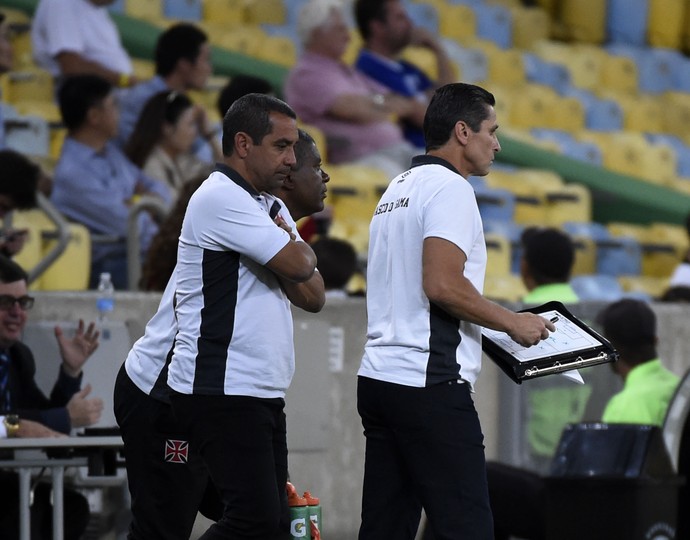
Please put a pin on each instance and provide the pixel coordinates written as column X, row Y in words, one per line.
column 78, row 451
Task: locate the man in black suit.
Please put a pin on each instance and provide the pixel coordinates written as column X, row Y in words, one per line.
column 23, row 405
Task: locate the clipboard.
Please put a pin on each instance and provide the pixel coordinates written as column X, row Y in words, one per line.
column 573, row 345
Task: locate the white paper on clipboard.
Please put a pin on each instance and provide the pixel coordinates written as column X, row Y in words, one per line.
column 568, row 337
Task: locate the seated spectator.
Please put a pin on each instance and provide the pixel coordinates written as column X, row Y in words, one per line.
column 163, row 137
column 26, row 411
column 183, row 63
column 681, row 274
column 94, row 182
column 353, row 111
column 337, row 262
column 71, row 37
column 18, row 186
column 517, row 496
column 547, row 260
column 162, row 255
column 238, row 86
column 387, row 31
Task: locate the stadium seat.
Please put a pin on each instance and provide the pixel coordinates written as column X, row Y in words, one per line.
column 266, row 12
column 584, row 20
column 494, row 23
column 659, row 257
column 70, row 271
column 654, row 287
column 424, row 59
column 245, row 39
column 513, row 232
column 424, row 15
column 585, row 256
column 619, row 74
column 600, row 114
column 31, row 254
column 498, row 250
column 571, row 202
column 33, row 84
column 144, row 9
column 457, row 22
column 665, row 23
column 505, row 288
column 597, row 287
column 551, row 74
column 530, row 24
column 279, row 50
column 28, row 134
column 495, row 204
column 224, row 12
column 472, row 63
column 188, row 10
column 505, row 66
column 626, row 21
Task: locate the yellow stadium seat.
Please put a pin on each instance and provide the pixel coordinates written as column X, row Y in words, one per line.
column 584, row 20
column 279, row 50
column 424, row 59
column 353, row 47
column 48, row 110
column 659, row 257
column 498, row 251
column 675, row 235
column 266, row 12
column 653, row 286
column 57, row 139
column 676, row 114
column 319, row 139
column 224, row 12
column 566, row 114
column 621, row 151
column 530, row 207
column 640, row 113
column 70, row 271
column 144, row 9
column 571, row 202
column 143, row 68
column 665, row 23
column 619, row 74
column 30, row 85
column 35, row 221
column 585, row 256
column 506, row 288
column 550, row 6
column 21, row 50
column 457, row 22
column 243, row 39
column 530, row 24
column 505, row 66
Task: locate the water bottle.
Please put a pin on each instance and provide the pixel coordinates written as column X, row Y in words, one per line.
column 105, row 302
column 314, row 508
column 299, row 515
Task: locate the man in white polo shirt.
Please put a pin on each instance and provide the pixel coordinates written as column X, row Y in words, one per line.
column 425, row 274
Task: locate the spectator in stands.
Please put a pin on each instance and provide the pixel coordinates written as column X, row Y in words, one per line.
column 517, row 496
column 183, row 63
column 387, row 30
column 681, row 274
column 353, row 111
column 547, row 260
column 26, row 411
column 337, row 263
column 72, row 37
column 162, row 140
column 94, row 182
column 18, row 185
column 238, row 86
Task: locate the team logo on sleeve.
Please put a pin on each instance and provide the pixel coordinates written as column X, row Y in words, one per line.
column 176, row 451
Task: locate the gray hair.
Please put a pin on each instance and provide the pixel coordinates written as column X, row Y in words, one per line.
column 314, row 14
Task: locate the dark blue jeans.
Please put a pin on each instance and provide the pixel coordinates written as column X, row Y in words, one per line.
column 424, row 449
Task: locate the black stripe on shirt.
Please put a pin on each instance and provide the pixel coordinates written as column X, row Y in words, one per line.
column 444, row 339
column 220, row 276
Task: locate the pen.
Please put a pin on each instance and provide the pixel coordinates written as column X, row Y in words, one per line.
column 554, row 319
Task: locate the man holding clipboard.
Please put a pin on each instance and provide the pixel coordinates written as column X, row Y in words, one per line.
column 426, row 266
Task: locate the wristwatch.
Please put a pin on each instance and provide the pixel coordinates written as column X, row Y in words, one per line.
column 11, row 422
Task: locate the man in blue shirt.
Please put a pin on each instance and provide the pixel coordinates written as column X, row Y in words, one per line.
column 387, row 30
column 94, row 182
column 183, row 63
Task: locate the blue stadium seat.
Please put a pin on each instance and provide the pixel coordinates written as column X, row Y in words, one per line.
column 118, row 6
column 538, row 70
column 190, row 10
column 600, row 114
column 513, row 232
column 473, row 63
column 495, row 204
column 656, row 67
column 494, row 23
column 424, row 15
column 626, row 21
column 619, row 256
column 597, row 287
column 569, row 146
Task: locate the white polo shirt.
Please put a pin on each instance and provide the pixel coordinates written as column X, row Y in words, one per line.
column 409, row 340
column 234, row 320
column 76, row 26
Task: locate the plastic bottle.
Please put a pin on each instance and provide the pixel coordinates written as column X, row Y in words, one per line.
column 299, row 515
column 314, row 514
column 105, row 303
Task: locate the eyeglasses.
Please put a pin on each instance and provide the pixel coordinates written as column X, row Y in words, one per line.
column 7, row 302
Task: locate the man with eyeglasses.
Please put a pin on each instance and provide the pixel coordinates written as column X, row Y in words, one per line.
column 25, row 411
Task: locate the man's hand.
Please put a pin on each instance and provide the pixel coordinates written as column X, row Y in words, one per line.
column 13, row 241
column 82, row 411
column 30, row 429
column 283, row 225
column 529, row 329
column 76, row 351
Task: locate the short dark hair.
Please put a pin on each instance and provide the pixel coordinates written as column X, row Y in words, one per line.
column 162, row 108
column 336, row 261
column 549, row 254
column 449, row 105
column 251, row 114
column 180, row 41
column 19, row 179
column 241, row 85
column 304, row 143
column 630, row 326
column 367, row 11
column 78, row 94
column 10, row 271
